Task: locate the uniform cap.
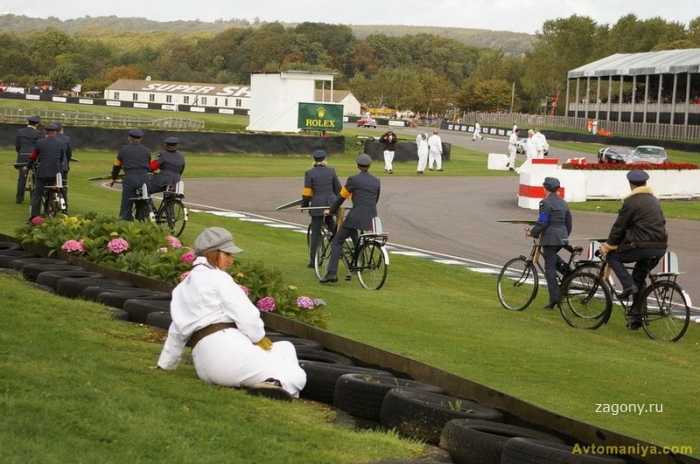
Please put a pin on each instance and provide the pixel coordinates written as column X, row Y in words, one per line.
column 215, row 238
column 319, row 154
column 637, row 176
column 551, row 183
column 34, row 119
column 51, row 127
column 136, row 133
column 171, row 140
column 363, row 159
column 59, row 125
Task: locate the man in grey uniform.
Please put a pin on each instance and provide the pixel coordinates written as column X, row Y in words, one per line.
column 49, row 154
column 321, row 188
column 25, row 141
column 553, row 227
column 364, row 189
column 136, row 160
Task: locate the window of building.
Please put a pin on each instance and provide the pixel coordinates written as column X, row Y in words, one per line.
column 239, row 102
column 226, row 102
column 152, row 97
column 216, row 102
column 116, row 95
column 135, row 96
column 204, row 101
column 168, row 98
column 186, row 100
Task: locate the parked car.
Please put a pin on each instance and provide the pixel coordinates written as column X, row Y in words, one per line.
column 648, row 154
column 367, row 122
column 614, row 155
column 521, row 144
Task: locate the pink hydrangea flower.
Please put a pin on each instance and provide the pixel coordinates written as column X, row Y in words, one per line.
column 73, row 245
column 37, row 220
column 305, row 302
column 184, row 275
column 163, row 250
column 118, row 245
column 266, row 304
column 245, row 290
column 173, row 241
column 188, row 257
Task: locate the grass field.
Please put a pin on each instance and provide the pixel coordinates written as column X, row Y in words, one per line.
column 437, row 314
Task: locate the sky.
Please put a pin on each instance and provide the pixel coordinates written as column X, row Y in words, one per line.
column 500, row 15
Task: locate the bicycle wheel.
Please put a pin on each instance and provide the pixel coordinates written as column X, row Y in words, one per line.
column 141, row 210
column 323, row 254
column 371, row 265
column 586, row 301
column 174, row 215
column 665, row 312
column 53, row 203
column 517, row 284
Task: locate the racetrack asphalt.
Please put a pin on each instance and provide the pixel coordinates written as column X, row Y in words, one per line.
column 454, row 218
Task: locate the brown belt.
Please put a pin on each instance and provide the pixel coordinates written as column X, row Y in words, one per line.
column 208, row 330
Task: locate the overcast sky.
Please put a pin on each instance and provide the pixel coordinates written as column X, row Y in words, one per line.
column 502, row 15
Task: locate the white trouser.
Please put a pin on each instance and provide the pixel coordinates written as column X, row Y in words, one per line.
column 228, row 358
column 436, row 157
column 422, row 160
column 512, row 150
column 388, row 160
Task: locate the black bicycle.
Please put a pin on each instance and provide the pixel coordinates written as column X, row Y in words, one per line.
column 54, row 198
column 171, row 212
column 587, row 299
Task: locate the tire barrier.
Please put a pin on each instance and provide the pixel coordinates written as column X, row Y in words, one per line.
column 19, row 263
column 92, row 292
column 139, row 309
column 297, row 342
column 116, row 298
column 159, row 319
column 120, row 315
column 422, row 415
column 527, row 450
column 51, row 278
column 32, row 271
column 7, row 257
column 321, row 378
column 469, row 440
column 306, row 354
column 7, row 246
column 73, row 288
column 362, row 395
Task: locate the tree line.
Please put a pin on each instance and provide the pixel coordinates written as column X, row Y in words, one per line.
column 423, row 72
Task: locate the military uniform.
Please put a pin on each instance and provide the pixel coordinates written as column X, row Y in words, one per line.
column 364, row 190
column 553, row 227
column 49, row 154
column 171, row 165
column 135, row 159
column 321, row 188
column 25, row 141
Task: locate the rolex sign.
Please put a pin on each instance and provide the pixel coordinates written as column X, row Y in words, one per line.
column 320, row 116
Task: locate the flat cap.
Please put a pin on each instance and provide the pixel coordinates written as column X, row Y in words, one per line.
column 215, row 238
column 135, row 133
column 319, row 154
column 363, row 159
column 551, row 183
column 34, row 119
column 51, row 127
column 171, row 140
column 637, row 176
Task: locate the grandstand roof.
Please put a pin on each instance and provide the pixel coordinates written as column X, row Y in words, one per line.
column 635, row 64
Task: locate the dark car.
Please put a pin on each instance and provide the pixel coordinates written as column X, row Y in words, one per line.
column 648, row 154
column 614, row 155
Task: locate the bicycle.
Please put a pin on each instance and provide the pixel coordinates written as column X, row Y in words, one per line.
column 53, row 198
column 519, row 281
column 369, row 259
column 661, row 309
column 171, row 211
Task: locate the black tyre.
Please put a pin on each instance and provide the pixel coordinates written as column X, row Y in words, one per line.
column 120, row 315
column 306, row 354
column 297, row 342
column 666, row 314
column 173, row 215
column 322, row 376
column 8, row 246
column 517, row 284
column 92, row 292
column 422, row 415
column 522, row 450
column 586, row 301
column 139, row 309
column 31, row 271
column 323, row 254
column 20, row 263
column 73, row 288
column 468, row 440
column 117, row 298
column 362, row 395
column 6, row 257
column 160, row 319
column 372, row 265
column 51, row 278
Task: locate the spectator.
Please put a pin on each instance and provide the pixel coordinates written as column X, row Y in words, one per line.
column 389, row 141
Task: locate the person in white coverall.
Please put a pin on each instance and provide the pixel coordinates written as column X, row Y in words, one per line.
column 477, row 132
column 435, row 151
column 531, row 149
column 541, row 142
column 210, row 311
column 422, row 148
column 512, row 149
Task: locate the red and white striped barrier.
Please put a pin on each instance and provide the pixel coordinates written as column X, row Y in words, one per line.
column 532, row 174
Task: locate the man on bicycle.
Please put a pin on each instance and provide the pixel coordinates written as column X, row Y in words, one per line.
column 169, row 164
column 639, row 232
column 136, row 160
column 321, row 188
column 25, row 141
column 364, row 189
column 49, row 154
column 553, row 226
